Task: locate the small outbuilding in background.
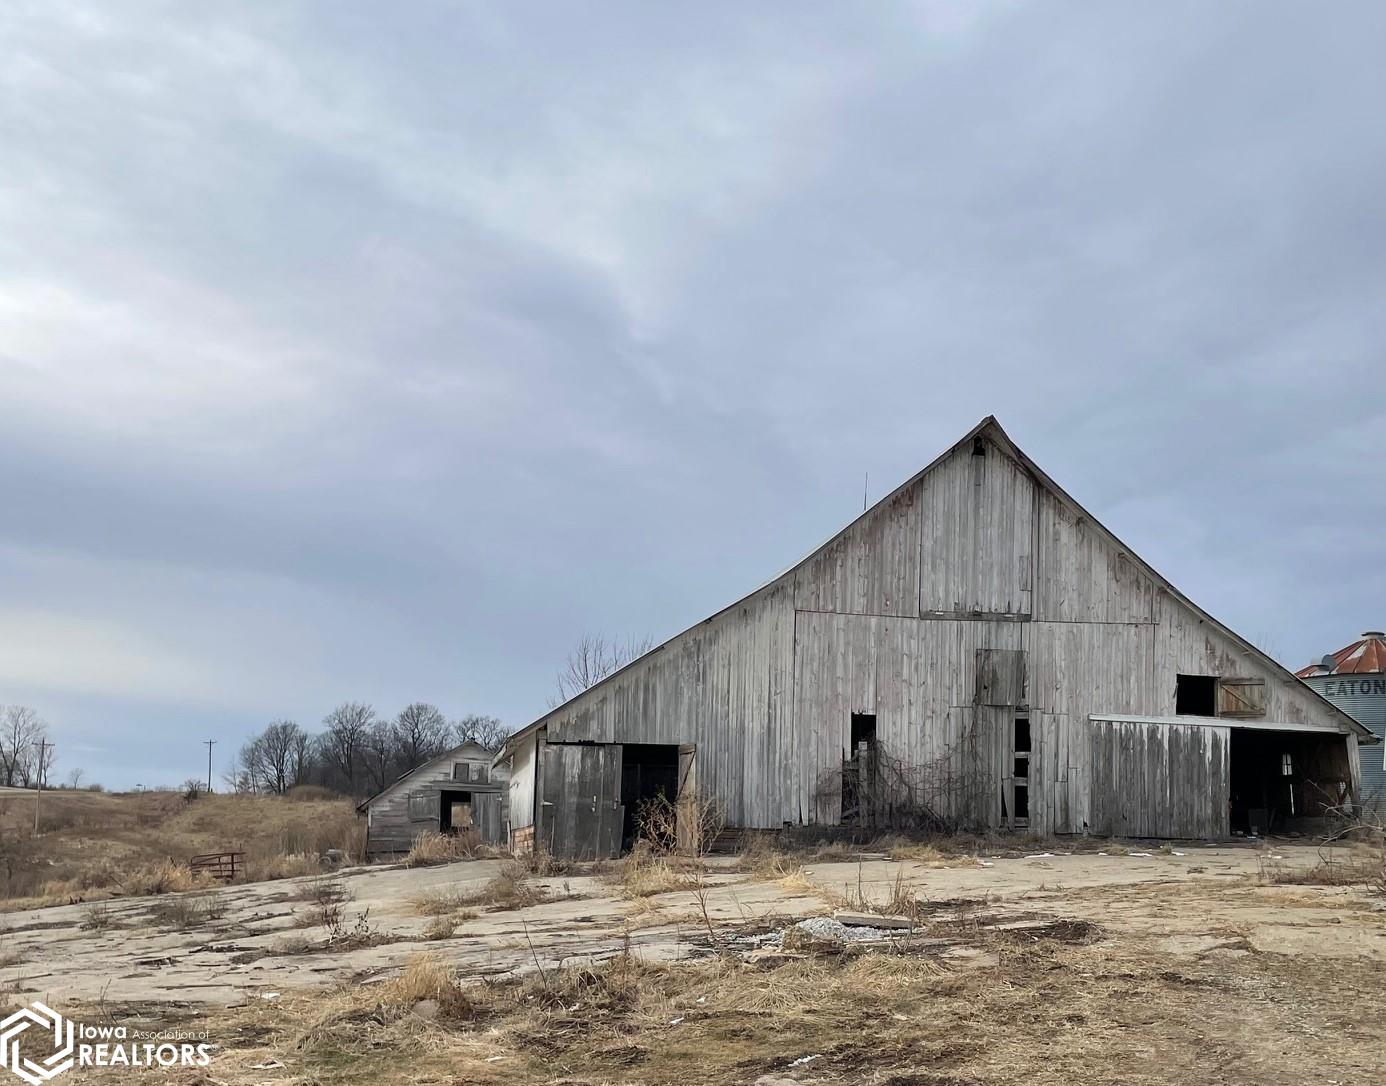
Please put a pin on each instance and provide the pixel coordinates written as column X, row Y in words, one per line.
column 458, row 792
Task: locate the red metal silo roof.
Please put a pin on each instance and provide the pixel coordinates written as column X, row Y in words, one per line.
column 1366, row 654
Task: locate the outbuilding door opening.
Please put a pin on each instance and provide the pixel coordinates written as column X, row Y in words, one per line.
column 455, row 812
column 649, row 771
column 1283, row 780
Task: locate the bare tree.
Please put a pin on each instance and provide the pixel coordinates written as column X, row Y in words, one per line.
column 420, row 733
column 341, row 743
column 592, row 660
column 377, row 754
column 74, row 777
column 21, row 729
column 278, row 752
column 489, row 731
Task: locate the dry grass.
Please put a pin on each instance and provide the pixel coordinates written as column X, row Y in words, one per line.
column 510, row 888
column 100, row 845
column 1037, row 1009
column 96, row 917
column 185, row 911
column 440, row 927
column 644, row 873
column 1364, row 867
column 431, row 849
column 426, row 978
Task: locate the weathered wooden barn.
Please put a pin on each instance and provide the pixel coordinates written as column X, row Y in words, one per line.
column 459, row 791
column 975, row 650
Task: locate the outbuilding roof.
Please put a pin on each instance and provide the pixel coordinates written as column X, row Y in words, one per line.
column 1365, row 656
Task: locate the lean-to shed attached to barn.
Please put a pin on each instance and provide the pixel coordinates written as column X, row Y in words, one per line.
column 973, row 651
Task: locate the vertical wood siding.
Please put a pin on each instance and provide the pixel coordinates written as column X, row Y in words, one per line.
column 978, row 535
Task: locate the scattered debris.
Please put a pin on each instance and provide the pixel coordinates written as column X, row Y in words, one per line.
column 872, row 920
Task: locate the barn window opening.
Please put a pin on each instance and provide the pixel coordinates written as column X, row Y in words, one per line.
column 863, row 731
column 979, row 446
column 1020, row 771
column 1196, row 695
column 1287, row 765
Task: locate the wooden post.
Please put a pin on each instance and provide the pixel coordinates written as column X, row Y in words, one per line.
column 43, row 746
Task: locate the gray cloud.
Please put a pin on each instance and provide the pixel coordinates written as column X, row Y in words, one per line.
column 354, row 353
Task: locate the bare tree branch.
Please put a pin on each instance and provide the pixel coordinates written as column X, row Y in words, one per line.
column 592, row 660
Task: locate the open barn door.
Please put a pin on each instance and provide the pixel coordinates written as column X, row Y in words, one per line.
column 488, row 816
column 582, row 813
column 689, row 828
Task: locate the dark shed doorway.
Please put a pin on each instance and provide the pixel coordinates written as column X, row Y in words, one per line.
column 649, row 771
column 1286, row 780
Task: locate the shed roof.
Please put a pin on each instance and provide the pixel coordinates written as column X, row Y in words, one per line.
column 1365, row 656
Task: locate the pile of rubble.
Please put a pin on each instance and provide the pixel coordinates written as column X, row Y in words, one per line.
column 820, row 934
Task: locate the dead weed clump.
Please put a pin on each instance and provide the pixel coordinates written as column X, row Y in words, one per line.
column 644, row 873
column 160, row 878
column 433, row 848
column 186, row 911
column 1367, row 871
column 96, row 917
column 510, row 888
column 428, row 979
column 440, row 927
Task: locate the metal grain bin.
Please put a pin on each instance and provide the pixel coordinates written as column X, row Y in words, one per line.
column 1354, row 679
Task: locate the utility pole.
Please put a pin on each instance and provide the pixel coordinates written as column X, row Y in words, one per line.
column 209, row 744
column 43, row 745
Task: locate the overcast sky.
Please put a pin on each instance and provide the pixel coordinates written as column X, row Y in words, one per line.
column 377, row 351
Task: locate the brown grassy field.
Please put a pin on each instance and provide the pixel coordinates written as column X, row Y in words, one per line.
column 92, row 845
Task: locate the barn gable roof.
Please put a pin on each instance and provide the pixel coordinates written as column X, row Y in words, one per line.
column 991, row 430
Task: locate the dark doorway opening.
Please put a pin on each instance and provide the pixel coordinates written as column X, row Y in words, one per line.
column 1196, row 695
column 859, row 773
column 863, row 730
column 1020, row 770
column 648, row 771
column 455, row 812
column 1282, row 780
